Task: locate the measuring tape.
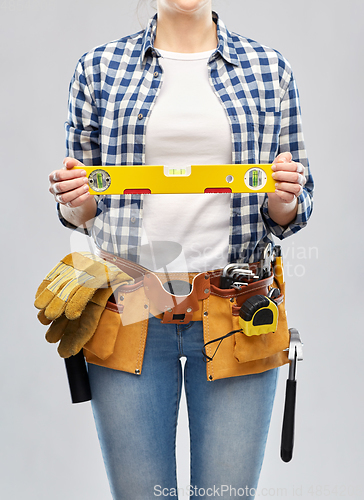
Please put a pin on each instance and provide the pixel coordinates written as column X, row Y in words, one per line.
column 158, row 179
column 258, row 315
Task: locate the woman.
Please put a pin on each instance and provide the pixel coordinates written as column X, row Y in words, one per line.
column 184, row 91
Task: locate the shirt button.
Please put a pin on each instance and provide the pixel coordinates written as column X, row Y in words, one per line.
column 140, row 116
column 132, row 220
column 156, row 74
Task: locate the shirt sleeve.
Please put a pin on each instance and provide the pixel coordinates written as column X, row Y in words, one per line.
column 82, row 126
column 82, row 129
column 291, row 140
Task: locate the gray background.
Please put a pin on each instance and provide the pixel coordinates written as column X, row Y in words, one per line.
column 49, row 448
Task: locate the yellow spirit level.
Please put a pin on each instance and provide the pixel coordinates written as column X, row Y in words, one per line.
column 158, row 179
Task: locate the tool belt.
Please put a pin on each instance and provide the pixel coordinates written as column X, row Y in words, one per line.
column 120, row 338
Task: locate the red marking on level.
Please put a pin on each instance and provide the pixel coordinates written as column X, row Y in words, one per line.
column 137, row 191
column 217, row 190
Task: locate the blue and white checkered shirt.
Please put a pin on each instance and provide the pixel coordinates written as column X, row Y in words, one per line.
column 111, row 97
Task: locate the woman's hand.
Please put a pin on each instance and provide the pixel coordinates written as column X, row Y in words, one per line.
column 69, row 187
column 290, row 179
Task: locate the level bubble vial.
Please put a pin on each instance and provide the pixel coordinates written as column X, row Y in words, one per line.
column 99, row 180
column 255, row 178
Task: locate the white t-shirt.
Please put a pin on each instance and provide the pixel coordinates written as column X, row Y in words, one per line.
column 187, row 126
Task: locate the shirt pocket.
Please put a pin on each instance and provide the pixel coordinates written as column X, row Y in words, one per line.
column 267, row 128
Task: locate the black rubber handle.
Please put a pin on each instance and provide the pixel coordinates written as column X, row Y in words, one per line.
column 78, row 378
column 288, row 421
column 226, row 282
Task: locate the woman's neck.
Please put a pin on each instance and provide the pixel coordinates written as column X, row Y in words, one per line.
column 186, row 33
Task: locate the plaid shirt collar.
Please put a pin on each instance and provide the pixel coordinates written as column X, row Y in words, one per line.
column 225, row 46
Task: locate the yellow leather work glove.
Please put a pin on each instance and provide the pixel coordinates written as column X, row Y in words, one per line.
column 72, row 283
column 74, row 334
column 73, row 296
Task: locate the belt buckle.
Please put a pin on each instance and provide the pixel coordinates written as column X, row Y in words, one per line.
column 177, row 288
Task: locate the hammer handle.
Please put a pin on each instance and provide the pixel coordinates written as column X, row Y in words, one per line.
column 288, row 421
column 78, row 378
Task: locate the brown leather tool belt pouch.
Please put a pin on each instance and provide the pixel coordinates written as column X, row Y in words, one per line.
column 239, row 354
column 120, row 338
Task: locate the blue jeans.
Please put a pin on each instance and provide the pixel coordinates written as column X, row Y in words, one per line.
column 136, row 418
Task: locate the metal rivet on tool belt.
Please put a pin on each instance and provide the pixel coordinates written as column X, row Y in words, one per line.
column 206, row 276
column 189, row 310
column 145, row 306
column 231, row 300
column 206, row 290
column 137, row 372
column 169, row 310
column 121, row 297
column 205, row 313
column 210, row 377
